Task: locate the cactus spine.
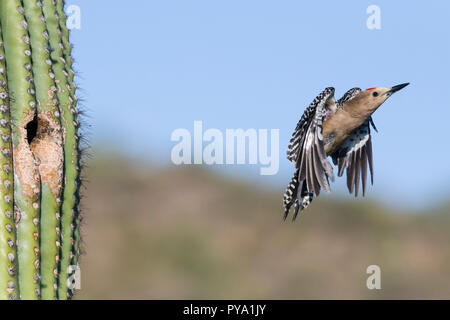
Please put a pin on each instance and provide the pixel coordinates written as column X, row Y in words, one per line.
column 38, row 120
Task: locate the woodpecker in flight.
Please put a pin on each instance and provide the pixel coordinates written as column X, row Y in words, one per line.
column 340, row 129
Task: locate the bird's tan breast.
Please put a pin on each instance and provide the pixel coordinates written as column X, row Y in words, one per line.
column 337, row 129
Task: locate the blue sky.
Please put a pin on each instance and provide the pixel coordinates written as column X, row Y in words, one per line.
column 149, row 67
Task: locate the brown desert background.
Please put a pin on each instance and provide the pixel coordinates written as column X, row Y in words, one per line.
column 188, row 233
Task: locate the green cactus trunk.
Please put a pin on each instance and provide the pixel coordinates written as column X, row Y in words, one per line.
column 40, row 158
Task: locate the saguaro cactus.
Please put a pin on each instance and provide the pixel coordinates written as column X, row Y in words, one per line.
column 40, row 157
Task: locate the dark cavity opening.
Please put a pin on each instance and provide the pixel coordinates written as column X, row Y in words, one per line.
column 31, row 128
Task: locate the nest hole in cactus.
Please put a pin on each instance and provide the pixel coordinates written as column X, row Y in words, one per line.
column 32, row 128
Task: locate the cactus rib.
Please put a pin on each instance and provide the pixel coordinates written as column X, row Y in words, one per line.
column 67, row 53
column 70, row 145
column 46, row 147
column 8, row 254
column 74, row 193
column 26, row 175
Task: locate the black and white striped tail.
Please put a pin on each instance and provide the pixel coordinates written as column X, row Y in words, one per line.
column 291, row 196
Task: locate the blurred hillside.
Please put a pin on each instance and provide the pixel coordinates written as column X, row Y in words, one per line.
column 186, row 233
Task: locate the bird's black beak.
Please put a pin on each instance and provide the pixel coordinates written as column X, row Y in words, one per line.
column 397, row 88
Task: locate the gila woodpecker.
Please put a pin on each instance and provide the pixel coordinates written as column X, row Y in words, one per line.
column 340, row 129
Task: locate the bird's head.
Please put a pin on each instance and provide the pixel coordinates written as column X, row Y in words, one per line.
column 371, row 99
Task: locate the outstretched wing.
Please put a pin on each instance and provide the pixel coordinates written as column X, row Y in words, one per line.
column 306, row 147
column 298, row 137
column 349, row 95
column 354, row 155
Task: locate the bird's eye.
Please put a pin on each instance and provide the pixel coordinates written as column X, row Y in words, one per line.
column 375, row 94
